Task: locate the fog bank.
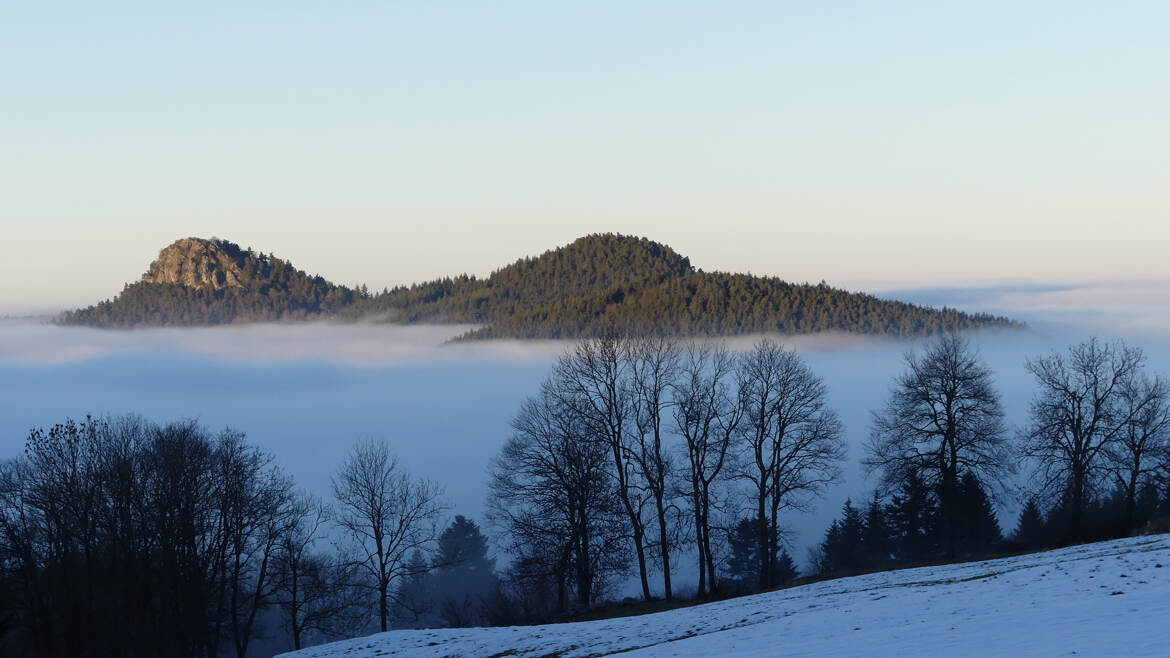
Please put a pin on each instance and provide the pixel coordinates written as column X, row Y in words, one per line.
column 306, row 392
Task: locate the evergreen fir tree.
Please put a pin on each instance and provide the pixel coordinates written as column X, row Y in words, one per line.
column 462, row 574
column 1030, row 531
column 913, row 517
column 785, row 568
column 877, row 536
column 979, row 530
column 413, row 605
column 742, row 568
column 742, row 561
column 1146, row 508
column 843, row 549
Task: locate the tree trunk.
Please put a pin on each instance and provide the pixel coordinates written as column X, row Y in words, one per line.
column 773, row 540
column 641, row 551
column 563, row 575
column 384, row 604
column 635, row 522
column 762, row 537
column 712, row 583
column 701, row 591
column 1078, row 504
column 1131, row 500
column 696, row 502
column 949, row 514
column 584, row 569
column 664, row 547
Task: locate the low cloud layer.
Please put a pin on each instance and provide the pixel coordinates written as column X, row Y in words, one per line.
column 357, row 345
column 306, row 392
column 1138, row 307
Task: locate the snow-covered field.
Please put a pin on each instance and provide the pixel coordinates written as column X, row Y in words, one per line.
column 1105, row 599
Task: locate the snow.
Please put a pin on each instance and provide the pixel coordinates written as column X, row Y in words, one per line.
column 1108, row 598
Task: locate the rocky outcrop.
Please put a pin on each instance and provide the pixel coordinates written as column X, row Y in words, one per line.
column 196, row 263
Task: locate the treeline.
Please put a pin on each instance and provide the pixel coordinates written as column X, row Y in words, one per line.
column 1096, row 450
column 629, row 452
column 121, row 537
column 722, row 304
column 593, row 264
column 599, row 284
column 636, row 451
column 605, row 284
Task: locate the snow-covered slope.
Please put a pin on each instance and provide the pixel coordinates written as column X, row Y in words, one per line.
column 1106, row 599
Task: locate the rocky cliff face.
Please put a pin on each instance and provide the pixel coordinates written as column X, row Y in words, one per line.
column 196, row 263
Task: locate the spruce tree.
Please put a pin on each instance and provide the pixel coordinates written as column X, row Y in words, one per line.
column 743, row 563
column 978, row 527
column 1030, row 531
column 843, row 549
column 785, row 569
column 913, row 517
column 876, row 538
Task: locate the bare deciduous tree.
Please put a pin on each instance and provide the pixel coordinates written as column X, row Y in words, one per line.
column 1077, row 414
column 791, row 440
column 654, row 365
column 551, row 498
column 943, row 419
column 387, row 515
column 255, row 503
column 316, row 592
column 707, row 413
column 1142, row 449
column 121, row 523
column 593, row 383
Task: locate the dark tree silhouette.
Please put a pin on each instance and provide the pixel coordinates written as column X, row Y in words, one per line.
column 654, row 367
column 877, row 537
column 462, row 574
column 593, row 382
column 551, row 499
column 1030, row 531
column 317, row 593
column 1078, row 414
column 791, row 441
column 743, row 560
column 707, row 414
column 843, row 549
column 943, row 419
column 913, row 518
column 979, row 531
column 1141, row 451
column 386, row 515
column 112, row 524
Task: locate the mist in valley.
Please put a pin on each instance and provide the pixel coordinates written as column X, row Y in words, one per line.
column 306, row 393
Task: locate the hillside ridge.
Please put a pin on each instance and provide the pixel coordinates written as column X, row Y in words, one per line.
column 600, row 283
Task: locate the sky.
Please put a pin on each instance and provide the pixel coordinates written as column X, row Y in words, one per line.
column 874, row 145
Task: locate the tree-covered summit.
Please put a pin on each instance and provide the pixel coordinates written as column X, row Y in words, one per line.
column 594, row 264
column 197, row 282
column 597, row 284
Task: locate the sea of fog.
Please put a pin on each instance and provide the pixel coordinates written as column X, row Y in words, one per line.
column 306, row 392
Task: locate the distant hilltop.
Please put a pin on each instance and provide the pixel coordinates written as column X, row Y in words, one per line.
column 198, row 263
column 597, row 284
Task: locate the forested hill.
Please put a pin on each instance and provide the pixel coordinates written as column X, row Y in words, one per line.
column 597, row 284
column 604, row 282
column 196, row 282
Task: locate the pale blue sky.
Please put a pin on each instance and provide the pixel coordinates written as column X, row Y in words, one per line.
column 869, row 144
